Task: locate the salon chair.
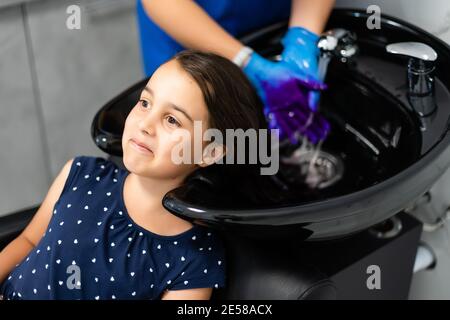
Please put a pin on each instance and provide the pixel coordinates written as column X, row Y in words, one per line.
column 350, row 238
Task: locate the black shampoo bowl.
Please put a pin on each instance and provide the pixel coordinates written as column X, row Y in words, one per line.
column 385, row 159
column 385, row 156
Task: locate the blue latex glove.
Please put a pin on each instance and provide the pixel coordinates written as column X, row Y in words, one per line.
column 285, row 92
column 301, row 52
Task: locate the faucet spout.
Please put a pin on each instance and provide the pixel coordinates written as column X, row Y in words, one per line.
column 420, row 74
column 338, row 43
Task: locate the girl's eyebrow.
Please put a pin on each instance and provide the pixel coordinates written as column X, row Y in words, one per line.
column 148, row 90
column 173, row 106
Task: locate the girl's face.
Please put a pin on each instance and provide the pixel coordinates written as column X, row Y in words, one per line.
column 171, row 100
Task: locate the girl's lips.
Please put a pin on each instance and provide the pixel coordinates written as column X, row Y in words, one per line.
column 140, row 148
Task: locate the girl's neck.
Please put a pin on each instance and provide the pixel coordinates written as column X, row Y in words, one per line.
column 147, row 193
column 142, row 197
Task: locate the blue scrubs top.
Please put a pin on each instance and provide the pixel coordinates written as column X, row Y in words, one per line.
column 238, row 17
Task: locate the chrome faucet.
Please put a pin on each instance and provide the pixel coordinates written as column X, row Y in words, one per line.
column 338, row 43
column 420, row 74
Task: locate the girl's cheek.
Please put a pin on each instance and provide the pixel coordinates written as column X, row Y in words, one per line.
column 172, row 144
column 128, row 120
column 131, row 123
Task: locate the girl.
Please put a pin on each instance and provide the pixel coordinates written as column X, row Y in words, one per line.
column 102, row 232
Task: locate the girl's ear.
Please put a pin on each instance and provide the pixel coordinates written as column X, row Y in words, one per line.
column 212, row 153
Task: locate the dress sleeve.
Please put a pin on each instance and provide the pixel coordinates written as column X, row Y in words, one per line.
column 205, row 268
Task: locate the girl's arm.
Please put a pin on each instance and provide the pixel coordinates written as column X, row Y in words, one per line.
column 310, row 14
column 189, row 294
column 19, row 248
column 187, row 23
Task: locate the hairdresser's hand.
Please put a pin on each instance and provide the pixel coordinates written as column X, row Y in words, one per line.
column 285, row 93
column 301, row 53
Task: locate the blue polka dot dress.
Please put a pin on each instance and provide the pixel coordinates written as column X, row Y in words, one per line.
column 92, row 249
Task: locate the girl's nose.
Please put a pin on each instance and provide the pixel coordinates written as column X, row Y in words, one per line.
column 148, row 123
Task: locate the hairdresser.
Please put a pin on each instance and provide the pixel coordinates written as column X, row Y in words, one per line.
column 168, row 26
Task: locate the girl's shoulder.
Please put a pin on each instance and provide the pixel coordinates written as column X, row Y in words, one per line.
column 89, row 169
column 93, row 163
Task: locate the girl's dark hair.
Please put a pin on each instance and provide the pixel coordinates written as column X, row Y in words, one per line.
column 231, row 100
column 232, row 103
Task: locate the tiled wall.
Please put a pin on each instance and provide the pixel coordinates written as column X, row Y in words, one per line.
column 24, row 172
column 52, row 82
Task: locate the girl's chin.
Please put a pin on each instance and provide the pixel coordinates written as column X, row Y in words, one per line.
column 135, row 161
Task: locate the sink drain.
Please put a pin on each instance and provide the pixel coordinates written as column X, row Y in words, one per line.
column 319, row 168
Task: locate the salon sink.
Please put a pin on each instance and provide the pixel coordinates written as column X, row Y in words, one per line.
column 381, row 155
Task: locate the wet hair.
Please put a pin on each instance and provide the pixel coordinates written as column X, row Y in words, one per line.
column 230, row 98
column 232, row 103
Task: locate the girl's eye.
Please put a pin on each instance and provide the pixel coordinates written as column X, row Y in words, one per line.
column 172, row 120
column 144, row 103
